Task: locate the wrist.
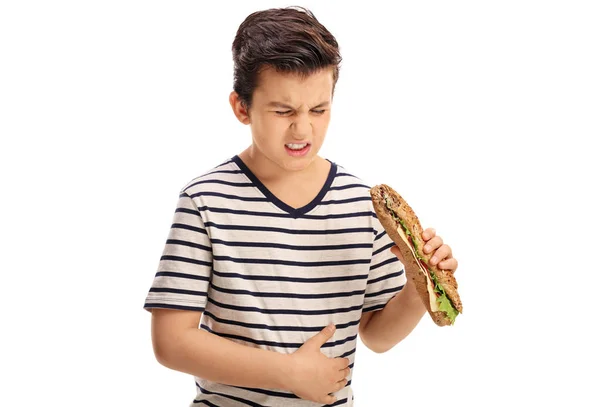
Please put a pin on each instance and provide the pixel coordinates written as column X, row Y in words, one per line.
column 411, row 296
column 284, row 372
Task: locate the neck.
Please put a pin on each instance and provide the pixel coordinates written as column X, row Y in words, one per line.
column 268, row 171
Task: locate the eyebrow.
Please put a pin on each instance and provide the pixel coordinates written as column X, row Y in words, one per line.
column 286, row 106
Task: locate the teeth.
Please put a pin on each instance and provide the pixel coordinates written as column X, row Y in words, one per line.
column 296, row 146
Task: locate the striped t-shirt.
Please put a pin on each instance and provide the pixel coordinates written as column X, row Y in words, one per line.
column 270, row 276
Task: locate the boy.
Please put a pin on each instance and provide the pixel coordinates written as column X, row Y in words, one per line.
column 275, row 261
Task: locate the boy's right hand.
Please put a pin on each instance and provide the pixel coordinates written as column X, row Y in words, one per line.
column 315, row 375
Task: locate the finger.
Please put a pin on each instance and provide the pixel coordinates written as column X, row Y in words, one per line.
column 342, row 363
column 340, row 385
column 398, row 254
column 428, row 234
column 328, row 399
column 433, row 244
column 344, row 374
column 448, row 264
column 322, row 337
column 444, row 252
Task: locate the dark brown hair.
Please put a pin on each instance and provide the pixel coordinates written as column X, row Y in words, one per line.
column 287, row 39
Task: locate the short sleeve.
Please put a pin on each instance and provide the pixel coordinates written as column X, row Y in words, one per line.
column 386, row 272
column 185, row 266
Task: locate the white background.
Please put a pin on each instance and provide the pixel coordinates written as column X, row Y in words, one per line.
column 481, row 114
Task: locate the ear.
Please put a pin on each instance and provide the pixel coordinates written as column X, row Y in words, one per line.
column 239, row 110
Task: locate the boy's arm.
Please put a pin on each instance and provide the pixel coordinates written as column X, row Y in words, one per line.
column 382, row 330
column 308, row 373
column 179, row 344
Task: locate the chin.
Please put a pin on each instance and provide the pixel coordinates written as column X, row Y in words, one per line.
column 297, row 164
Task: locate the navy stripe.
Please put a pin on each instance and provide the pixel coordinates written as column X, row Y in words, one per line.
column 293, row 263
column 188, row 211
column 286, row 311
column 374, row 308
column 379, row 236
column 217, row 170
column 289, row 231
column 385, row 277
column 225, row 172
column 171, row 306
column 227, row 196
column 186, row 260
column 218, row 181
column 181, row 275
column 241, row 400
column 387, row 246
column 208, row 403
column 349, row 200
column 292, row 279
column 389, row 290
column 188, row 227
column 345, row 174
column 337, row 215
column 278, row 327
column 337, row 403
column 189, row 244
column 292, row 247
column 277, row 344
column 286, row 295
column 349, row 186
column 244, row 212
column 285, row 215
column 385, row 262
column 177, row 291
column 350, row 352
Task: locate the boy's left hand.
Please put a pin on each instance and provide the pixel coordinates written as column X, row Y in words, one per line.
column 442, row 253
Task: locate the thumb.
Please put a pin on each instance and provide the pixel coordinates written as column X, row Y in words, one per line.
column 397, row 253
column 322, row 337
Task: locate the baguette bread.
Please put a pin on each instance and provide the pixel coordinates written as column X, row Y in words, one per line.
column 403, row 227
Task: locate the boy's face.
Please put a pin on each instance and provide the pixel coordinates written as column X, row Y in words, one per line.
column 289, row 117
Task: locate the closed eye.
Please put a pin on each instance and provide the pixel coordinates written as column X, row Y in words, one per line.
column 319, row 111
column 282, row 113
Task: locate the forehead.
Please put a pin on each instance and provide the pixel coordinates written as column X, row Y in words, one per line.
column 293, row 88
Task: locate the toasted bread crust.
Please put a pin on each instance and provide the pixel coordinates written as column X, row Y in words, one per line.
column 412, row 268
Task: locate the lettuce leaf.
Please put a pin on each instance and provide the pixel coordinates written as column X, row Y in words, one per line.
column 447, row 307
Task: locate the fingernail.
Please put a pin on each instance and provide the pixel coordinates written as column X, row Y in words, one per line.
column 433, row 260
column 427, row 248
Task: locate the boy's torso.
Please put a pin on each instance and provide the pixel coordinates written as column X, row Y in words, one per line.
column 282, row 273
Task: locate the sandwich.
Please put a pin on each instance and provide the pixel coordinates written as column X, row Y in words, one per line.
column 437, row 288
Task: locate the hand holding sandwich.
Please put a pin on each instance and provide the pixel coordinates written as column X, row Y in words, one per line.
column 441, row 254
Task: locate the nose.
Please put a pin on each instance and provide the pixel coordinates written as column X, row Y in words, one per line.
column 302, row 127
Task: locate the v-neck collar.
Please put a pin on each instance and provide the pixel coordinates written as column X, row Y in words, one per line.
column 295, row 212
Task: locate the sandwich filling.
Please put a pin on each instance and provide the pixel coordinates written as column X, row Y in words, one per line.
column 438, row 300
